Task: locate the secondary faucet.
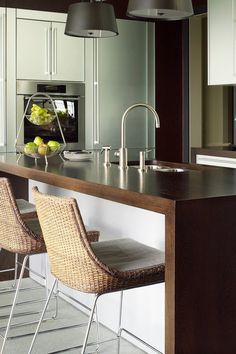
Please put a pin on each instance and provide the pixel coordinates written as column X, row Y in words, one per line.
column 123, row 152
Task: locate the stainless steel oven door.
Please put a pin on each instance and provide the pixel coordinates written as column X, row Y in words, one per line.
column 69, row 101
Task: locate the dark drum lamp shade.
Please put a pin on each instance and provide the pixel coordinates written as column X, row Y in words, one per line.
column 160, row 9
column 94, row 19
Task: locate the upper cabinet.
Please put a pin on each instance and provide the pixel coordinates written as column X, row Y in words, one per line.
column 44, row 52
column 221, row 42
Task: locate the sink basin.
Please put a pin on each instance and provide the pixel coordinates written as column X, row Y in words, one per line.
column 164, row 168
column 160, row 168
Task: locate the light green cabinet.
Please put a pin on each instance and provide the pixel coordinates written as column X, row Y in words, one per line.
column 44, row 52
column 123, row 70
column 2, row 80
column 221, row 42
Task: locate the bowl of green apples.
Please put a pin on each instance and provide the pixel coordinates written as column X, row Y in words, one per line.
column 40, row 149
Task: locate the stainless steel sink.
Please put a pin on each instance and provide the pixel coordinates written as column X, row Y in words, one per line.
column 160, row 168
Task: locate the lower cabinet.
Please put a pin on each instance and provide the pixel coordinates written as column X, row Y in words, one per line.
column 216, row 161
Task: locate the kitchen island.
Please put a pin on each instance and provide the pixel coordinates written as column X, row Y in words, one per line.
column 198, row 206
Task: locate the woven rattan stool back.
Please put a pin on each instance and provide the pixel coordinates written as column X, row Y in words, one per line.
column 15, row 236
column 71, row 257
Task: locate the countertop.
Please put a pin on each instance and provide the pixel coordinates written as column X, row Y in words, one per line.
column 92, row 177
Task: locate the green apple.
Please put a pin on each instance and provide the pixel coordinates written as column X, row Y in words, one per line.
column 40, row 116
column 38, row 141
column 30, row 148
column 53, row 145
column 43, row 149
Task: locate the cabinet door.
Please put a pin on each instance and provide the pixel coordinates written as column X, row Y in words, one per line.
column 2, row 79
column 67, row 55
column 122, row 68
column 33, row 49
column 221, row 42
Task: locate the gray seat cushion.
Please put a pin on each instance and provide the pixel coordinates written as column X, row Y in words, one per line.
column 126, row 254
column 33, row 224
column 25, row 207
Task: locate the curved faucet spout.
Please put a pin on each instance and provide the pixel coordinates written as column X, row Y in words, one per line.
column 123, row 150
column 124, row 117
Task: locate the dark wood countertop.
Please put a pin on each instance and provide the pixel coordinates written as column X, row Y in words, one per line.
column 147, row 190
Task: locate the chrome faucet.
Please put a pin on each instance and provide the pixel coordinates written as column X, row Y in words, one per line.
column 123, row 152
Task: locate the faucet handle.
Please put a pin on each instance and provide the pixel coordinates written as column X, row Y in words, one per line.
column 117, row 153
column 142, row 167
column 106, row 149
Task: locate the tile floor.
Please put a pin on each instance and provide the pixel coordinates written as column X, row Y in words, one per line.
column 61, row 338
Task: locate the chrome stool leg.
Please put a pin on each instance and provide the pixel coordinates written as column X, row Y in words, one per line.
column 89, row 324
column 97, row 330
column 12, row 287
column 122, row 329
column 15, row 270
column 93, row 311
column 42, row 316
column 47, row 288
column 5, row 335
column 120, row 320
column 14, row 302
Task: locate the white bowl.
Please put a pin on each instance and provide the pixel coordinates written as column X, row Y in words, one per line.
column 78, row 155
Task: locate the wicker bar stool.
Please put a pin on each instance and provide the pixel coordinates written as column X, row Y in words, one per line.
column 16, row 237
column 100, row 268
column 27, row 211
column 20, row 234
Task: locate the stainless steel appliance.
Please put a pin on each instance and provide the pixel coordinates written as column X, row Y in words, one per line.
column 69, row 101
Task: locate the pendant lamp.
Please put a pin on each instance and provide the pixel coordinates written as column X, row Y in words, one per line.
column 91, row 19
column 160, row 9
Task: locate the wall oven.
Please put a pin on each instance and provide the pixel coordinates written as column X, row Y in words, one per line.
column 69, row 101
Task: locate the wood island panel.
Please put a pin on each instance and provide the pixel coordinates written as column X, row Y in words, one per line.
column 205, row 269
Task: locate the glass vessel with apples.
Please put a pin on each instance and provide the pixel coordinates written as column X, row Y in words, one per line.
column 38, row 148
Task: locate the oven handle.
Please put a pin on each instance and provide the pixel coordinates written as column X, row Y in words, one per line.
column 54, row 98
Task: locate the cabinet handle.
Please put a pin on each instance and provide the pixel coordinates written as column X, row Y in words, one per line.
column 2, row 84
column 96, row 120
column 54, row 51
column 47, row 51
